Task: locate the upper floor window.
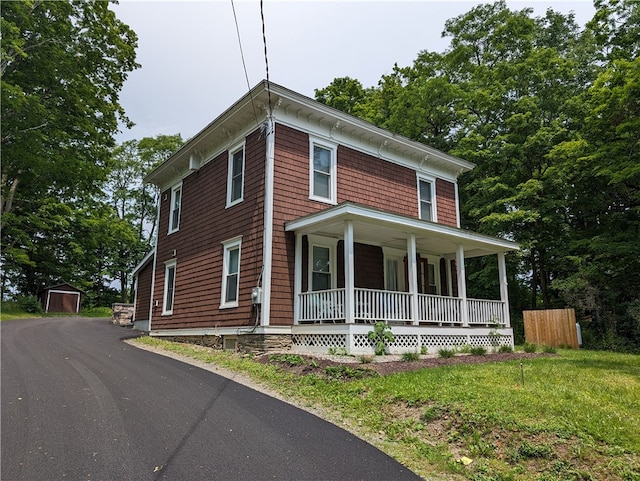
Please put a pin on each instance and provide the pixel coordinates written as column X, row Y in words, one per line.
column 169, row 287
column 322, row 172
column 426, row 193
column 231, row 273
column 174, row 211
column 235, row 176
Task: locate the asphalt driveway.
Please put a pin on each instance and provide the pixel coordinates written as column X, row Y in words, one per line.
column 80, row 404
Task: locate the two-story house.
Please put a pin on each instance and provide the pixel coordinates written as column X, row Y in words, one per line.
column 287, row 221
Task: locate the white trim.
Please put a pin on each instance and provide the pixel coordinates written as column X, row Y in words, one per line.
column 457, row 197
column 333, row 170
column 57, row 291
column 168, row 265
column 267, row 229
column 174, row 189
column 407, row 224
column 221, row 331
column 229, row 246
column 232, row 151
column 434, row 208
column 349, row 272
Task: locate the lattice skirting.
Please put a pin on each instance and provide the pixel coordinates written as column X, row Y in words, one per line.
column 403, row 342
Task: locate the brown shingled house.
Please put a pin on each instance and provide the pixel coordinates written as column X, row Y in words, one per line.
column 285, row 219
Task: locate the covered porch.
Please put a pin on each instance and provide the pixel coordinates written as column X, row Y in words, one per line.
column 355, row 265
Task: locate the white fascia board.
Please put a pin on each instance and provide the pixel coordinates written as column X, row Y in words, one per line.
column 406, row 224
column 145, row 260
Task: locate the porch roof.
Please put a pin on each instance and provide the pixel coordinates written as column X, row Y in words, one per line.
column 373, row 226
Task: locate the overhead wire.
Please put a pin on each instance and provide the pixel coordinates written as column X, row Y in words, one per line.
column 266, row 57
column 244, row 65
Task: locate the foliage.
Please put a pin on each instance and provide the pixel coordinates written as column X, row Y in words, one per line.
column 548, row 112
column 410, row 356
column 576, row 418
column 290, row 359
column 530, row 347
column 63, row 65
column 29, row 304
column 443, row 352
column 343, row 372
column 478, row 351
column 380, row 336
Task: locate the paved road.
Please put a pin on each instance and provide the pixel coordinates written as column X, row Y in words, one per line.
column 79, row 404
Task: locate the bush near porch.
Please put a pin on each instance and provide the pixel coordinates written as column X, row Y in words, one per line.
column 575, row 418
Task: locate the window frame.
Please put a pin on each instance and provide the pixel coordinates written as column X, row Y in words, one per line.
column 333, row 170
column 172, row 264
column 324, row 244
column 172, row 208
column 433, row 210
column 229, row 246
column 232, row 152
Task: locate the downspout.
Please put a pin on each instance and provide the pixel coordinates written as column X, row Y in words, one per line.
column 267, row 240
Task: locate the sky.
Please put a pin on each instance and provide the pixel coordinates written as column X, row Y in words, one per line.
column 192, row 67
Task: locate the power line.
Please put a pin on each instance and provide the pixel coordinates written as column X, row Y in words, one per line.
column 244, row 65
column 266, row 58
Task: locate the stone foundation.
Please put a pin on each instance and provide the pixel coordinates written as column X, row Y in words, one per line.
column 122, row 314
column 242, row 343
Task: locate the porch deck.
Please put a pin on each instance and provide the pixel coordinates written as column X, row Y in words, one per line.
column 396, row 308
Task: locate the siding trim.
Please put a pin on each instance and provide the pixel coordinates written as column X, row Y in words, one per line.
column 267, row 240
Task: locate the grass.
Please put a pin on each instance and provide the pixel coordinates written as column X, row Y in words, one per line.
column 575, row 418
column 10, row 310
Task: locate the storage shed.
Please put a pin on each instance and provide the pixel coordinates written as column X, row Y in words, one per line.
column 61, row 298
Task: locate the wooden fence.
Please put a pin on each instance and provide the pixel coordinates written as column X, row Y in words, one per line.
column 553, row 327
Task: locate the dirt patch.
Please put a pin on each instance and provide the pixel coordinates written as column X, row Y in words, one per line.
column 303, row 364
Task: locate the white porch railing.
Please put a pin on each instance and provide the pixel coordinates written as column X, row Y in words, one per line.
column 322, row 306
column 482, row 311
column 439, row 309
column 395, row 307
column 388, row 306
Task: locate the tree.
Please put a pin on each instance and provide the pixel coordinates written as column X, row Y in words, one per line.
column 134, row 202
column 63, row 65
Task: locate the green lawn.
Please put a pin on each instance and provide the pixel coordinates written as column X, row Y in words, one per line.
column 10, row 310
column 575, row 418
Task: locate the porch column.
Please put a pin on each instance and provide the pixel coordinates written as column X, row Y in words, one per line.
column 504, row 288
column 349, row 276
column 412, row 266
column 297, row 279
column 462, row 284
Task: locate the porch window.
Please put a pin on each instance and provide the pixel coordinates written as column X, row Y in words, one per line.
column 235, row 176
column 231, row 273
column 174, row 212
column 169, row 287
column 321, row 268
column 322, row 179
column 426, row 201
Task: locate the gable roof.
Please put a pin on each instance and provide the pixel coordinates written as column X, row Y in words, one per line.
column 291, row 108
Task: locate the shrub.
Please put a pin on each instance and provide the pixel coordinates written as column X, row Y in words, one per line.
column 478, row 351
column 290, row 359
column 548, row 349
column 30, row 304
column 380, row 336
column 410, row 356
column 505, row 349
column 446, row 352
column 529, row 347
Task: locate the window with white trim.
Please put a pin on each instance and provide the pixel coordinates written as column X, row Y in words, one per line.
column 169, row 287
column 174, row 210
column 426, row 192
column 321, row 268
column 230, row 273
column 235, row 176
column 322, row 172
